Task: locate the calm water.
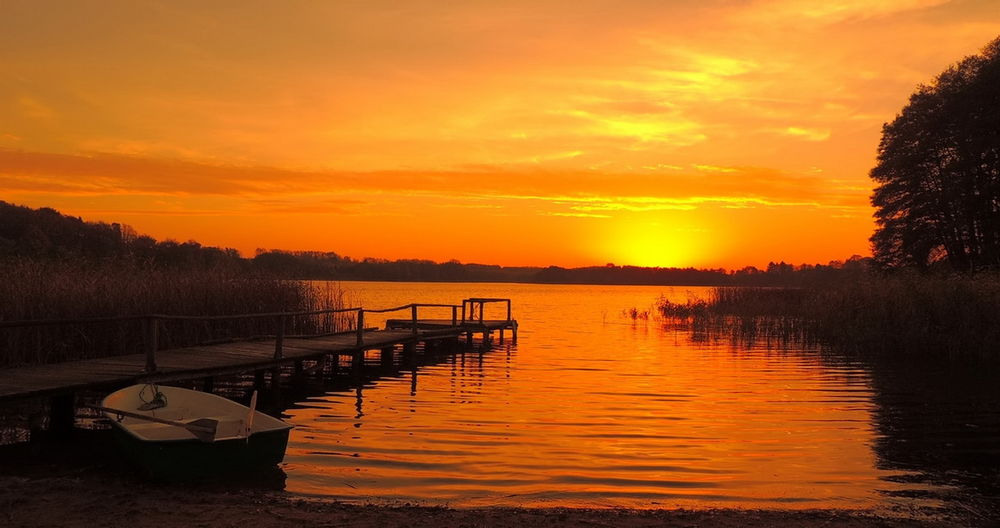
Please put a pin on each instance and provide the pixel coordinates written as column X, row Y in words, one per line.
column 592, row 409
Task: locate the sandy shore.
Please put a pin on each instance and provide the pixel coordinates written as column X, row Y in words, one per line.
column 74, row 485
column 91, row 501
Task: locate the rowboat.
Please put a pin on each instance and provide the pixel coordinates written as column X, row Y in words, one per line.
column 172, row 433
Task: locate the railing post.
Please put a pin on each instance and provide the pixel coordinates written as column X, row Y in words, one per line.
column 279, row 337
column 361, row 326
column 463, row 312
column 508, row 310
column 413, row 317
column 454, row 315
column 151, row 332
column 481, row 310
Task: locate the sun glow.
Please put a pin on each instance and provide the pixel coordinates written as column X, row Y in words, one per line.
column 716, row 134
column 657, row 245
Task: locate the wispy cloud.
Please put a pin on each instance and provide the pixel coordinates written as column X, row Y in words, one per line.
column 110, row 174
column 808, row 134
column 831, row 11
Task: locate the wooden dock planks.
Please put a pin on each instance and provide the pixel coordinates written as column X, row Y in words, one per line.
column 196, row 362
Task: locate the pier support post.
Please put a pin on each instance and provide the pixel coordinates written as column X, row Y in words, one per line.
column 279, row 338
column 386, row 356
column 335, row 364
column 357, row 361
column 361, row 328
column 151, row 327
column 276, row 378
column 62, row 415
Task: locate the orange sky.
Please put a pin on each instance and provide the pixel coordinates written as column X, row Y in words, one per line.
column 673, row 133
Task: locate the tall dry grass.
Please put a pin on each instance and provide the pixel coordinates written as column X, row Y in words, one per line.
column 32, row 290
column 904, row 314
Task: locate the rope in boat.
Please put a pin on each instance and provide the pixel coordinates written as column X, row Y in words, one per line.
column 158, row 398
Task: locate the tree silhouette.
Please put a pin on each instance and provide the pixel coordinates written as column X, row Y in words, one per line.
column 938, row 171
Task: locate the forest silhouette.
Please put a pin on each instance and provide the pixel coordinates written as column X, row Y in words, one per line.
column 46, row 235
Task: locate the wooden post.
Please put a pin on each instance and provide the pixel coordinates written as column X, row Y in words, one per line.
column 463, row 312
column 413, row 317
column 386, row 356
column 508, row 310
column 357, row 361
column 62, row 415
column 151, row 330
column 481, row 312
column 276, row 380
column 279, row 338
column 334, row 364
column 361, row 326
column 454, row 315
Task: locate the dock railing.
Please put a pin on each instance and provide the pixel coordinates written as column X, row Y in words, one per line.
column 151, row 324
column 481, row 302
column 414, row 315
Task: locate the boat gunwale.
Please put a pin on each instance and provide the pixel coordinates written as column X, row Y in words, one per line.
column 268, row 424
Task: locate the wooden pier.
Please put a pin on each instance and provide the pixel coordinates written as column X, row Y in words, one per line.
column 62, row 380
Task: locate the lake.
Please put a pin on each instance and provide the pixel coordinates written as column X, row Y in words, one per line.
column 592, row 408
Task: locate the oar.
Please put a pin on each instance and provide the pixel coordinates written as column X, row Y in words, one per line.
column 203, row 428
column 249, row 420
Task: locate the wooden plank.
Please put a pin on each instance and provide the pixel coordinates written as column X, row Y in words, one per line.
column 216, row 359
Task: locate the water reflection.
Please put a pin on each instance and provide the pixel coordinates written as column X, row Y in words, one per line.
column 936, row 424
column 589, row 411
column 593, row 410
column 940, row 421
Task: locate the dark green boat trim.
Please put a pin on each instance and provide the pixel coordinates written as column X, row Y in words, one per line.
column 187, row 459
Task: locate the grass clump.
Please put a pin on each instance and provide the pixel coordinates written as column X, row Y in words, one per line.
column 874, row 315
column 34, row 290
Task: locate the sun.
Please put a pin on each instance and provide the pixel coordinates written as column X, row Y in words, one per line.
column 655, row 245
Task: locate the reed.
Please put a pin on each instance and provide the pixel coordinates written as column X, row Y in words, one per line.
column 902, row 314
column 34, row 290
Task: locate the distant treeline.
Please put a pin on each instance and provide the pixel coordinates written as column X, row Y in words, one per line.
column 45, row 234
column 315, row 265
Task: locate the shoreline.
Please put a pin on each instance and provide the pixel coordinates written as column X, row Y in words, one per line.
column 76, row 485
column 78, row 482
column 86, row 500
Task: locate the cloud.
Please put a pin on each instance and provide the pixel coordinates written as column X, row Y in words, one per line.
column 714, row 168
column 832, row 11
column 32, row 108
column 112, row 174
column 578, row 215
column 808, row 134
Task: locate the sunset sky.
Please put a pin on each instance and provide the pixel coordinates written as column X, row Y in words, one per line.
column 703, row 133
